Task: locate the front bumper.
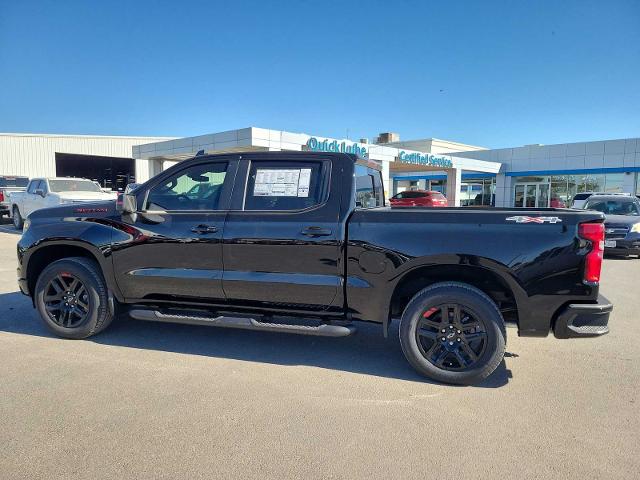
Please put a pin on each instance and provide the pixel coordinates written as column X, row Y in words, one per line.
column 624, row 247
column 629, row 244
column 24, row 286
column 584, row 319
column 21, row 271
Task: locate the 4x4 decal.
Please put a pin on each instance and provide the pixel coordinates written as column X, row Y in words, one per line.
column 527, row 219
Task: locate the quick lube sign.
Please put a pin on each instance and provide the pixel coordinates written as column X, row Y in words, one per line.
column 424, row 159
column 316, row 145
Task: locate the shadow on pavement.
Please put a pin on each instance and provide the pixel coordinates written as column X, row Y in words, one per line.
column 6, row 226
column 609, row 256
column 366, row 352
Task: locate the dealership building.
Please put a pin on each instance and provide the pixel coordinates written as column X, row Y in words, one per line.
column 107, row 159
column 531, row 175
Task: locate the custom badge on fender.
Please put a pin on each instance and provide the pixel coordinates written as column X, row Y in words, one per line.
column 90, row 210
column 526, row 219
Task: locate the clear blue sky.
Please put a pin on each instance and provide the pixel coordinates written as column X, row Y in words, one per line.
column 491, row 73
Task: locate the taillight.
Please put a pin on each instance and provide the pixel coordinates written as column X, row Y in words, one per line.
column 594, row 233
column 1, row 196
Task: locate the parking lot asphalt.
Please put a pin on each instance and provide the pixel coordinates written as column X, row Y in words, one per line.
column 146, row 400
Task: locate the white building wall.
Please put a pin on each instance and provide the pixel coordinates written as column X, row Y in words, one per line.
column 564, row 156
column 34, row 154
column 503, row 191
column 597, row 156
column 434, row 145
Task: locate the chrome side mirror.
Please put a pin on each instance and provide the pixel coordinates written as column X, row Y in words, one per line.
column 131, row 187
column 126, row 203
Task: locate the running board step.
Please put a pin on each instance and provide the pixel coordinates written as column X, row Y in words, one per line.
column 324, row 330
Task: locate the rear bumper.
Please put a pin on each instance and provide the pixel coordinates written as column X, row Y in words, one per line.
column 584, row 319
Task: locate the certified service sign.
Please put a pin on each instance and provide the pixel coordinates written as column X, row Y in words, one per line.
column 424, row 159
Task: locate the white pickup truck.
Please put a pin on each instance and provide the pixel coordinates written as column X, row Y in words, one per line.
column 51, row 192
column 8, row 185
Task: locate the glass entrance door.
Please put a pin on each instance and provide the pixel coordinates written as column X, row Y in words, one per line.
column 532, row 195
column 543, row 195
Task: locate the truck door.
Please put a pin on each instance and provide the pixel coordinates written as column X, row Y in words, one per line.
column 282, row 235
column 30, row 198
column 171, row 249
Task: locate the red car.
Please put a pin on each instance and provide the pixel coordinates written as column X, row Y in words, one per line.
column 557, row 203
column 418, row 198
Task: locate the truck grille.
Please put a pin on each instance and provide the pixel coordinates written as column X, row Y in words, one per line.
column 614, row 231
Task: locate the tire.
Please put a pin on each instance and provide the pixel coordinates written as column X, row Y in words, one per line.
column 94, row 298
column 479, row 332
column 18, row 222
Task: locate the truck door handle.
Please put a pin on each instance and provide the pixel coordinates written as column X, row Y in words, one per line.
column 204, row 229
column 316, row 232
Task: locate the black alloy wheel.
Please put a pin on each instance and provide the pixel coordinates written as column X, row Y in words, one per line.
column 72, row 298
column 453, row 332
column 451, row 336
column 66, row 300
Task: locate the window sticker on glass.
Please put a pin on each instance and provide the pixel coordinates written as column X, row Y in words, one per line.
column 305, row 180
column 282, row 183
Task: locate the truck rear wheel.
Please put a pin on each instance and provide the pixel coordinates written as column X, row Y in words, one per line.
column 72, row 298
column 453, row 333
column 18, row 222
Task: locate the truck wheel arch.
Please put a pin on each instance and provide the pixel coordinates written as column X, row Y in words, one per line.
column 50, row 252
column 488, row 281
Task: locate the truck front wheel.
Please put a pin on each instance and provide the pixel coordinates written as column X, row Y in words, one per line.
column 72, row 298
column 453, row 333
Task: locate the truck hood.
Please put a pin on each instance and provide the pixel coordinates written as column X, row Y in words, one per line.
column 621, row 219
column 94, row 209
column 86, row 196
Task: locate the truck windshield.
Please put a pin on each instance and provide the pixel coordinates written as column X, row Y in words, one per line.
column 614, row 207
column 13, row 181
column 73, row 185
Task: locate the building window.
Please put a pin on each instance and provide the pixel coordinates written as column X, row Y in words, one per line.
column 614, row 182
column 594, row 183
column 560, row 195
column 438, row 186
column 533, row 190
column 476, row 192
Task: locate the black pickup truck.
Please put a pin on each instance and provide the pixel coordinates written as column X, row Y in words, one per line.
column 302, row 242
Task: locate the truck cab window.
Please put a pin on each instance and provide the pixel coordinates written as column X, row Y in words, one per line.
column 33, row 186
column 195, row 188
column 368, row 187
column 282, row 186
